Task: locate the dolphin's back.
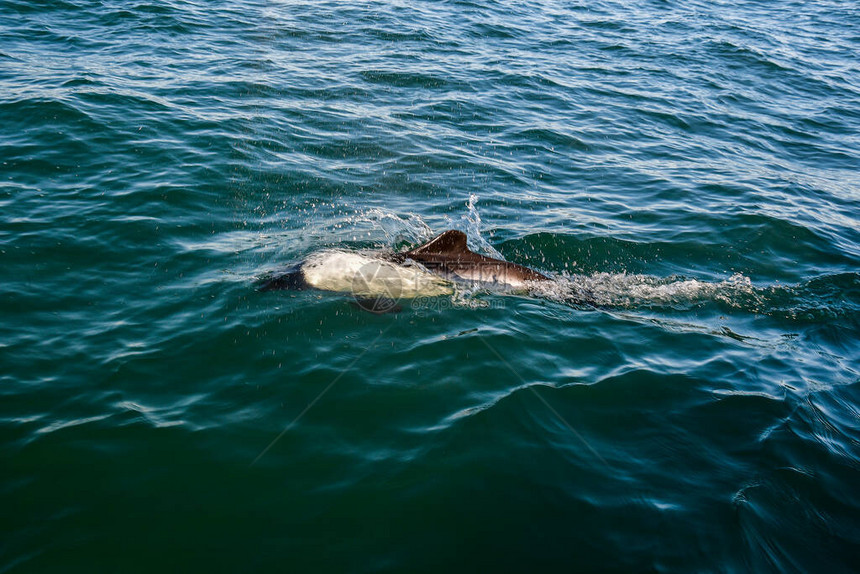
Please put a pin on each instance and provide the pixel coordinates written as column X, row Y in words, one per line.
column 451, row 243
column 449, row 255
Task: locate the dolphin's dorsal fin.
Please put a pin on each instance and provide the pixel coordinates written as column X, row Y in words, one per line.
column 449, row 242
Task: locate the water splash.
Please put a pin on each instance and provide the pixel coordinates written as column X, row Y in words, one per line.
column 823, row 298
column 631, row 290
column 472, row 217
column 470, row 223
column 410, row 228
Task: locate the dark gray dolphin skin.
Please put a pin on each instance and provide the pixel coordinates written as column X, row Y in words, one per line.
column 448, row 255
column 291, row 278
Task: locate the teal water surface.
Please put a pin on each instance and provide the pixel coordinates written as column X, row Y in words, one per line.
column 682, row 397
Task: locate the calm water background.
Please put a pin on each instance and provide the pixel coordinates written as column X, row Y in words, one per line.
column 692, row 166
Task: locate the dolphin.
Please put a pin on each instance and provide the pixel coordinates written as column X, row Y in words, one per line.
column 429, row 270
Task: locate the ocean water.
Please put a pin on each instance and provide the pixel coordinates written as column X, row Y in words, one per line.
column 683, row 396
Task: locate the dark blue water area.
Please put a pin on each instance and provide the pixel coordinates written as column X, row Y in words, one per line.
column 682, row 395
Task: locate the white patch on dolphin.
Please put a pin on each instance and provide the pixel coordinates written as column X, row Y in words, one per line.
column 367, row 276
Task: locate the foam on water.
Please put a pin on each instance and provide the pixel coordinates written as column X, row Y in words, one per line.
column 629, row 290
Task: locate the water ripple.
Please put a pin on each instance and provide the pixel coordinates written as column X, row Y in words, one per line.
column 682, row 395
